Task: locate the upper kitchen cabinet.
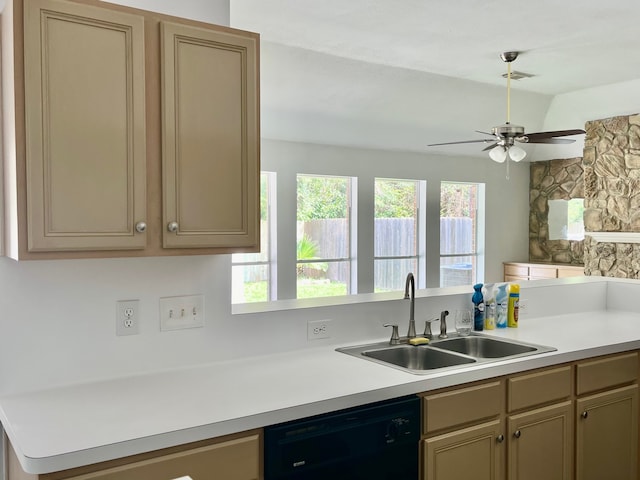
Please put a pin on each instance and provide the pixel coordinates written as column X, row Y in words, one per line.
column 210, row 137
column 127, row 132
column 85, row 127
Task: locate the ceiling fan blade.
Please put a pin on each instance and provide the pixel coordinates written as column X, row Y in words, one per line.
column 557, row 133
column 464, row 141
column 493, row 145
column 550, row 140
column 484, row 133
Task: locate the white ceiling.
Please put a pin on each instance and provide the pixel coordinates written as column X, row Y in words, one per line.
column 400, row 74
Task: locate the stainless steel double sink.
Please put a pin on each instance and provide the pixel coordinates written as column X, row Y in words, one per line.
column 455, row 351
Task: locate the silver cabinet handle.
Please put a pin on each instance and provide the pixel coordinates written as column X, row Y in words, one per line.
column 172, row 226
column 584, row 414
column 141, row 227
column 500, row 438
column 517, row 434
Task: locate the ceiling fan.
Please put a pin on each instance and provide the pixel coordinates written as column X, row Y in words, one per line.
column 504, row 137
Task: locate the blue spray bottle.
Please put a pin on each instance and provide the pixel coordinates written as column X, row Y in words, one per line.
column 478, row 308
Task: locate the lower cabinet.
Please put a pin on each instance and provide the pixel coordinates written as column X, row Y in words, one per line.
column 574, row 421
column 475, row 453
column 237, row 457
column 607, row 435
column 540, row 443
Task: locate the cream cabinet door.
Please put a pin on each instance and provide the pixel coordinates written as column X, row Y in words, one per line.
column 607, row 435
column 210, row 143
column 472, row 453
column 85, row 127
column 540, row 444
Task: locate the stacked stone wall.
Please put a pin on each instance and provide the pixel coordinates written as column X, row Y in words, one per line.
column 612, row 194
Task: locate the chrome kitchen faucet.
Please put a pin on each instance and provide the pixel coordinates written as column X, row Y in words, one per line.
column 411, row 295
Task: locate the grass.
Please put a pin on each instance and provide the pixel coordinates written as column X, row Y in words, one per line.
column 257, row 291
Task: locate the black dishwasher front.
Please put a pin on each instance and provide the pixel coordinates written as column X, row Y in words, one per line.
column 378, row 441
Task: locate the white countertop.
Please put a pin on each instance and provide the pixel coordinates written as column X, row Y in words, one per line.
column 75, row 425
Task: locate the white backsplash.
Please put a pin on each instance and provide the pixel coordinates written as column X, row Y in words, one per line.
column 58, row 317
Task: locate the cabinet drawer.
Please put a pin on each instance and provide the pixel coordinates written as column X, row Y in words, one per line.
column 538, row 388
column 516, row 270
column 606, row 372
column 461, row 406
column 564, row 272
column 542, row 272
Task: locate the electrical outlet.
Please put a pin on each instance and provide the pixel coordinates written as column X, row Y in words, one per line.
column 177, row 313
column 127, row 317
column 317, row 329
column 523, row 309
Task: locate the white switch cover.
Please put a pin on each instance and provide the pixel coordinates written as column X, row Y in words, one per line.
column 177, row 313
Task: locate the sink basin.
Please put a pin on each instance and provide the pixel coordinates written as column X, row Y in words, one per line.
column 483, row 347
column 453, row 352
column 417, row 358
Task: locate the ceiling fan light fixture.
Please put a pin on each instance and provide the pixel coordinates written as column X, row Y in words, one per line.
column 498, row 154
column 516, row 153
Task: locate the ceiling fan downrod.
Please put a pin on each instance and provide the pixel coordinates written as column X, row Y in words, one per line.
column 509, row 57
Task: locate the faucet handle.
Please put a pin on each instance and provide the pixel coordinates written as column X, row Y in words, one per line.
column 443, row 324
column 427, row 328
column 395, row 338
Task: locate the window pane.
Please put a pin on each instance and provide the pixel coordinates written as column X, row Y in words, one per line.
column 459, row 248
column 322, row 279
column 457, row 271
column 323, row 235
column 396, row 212
column 391, row 274
column 250, row 283
column 458, row 206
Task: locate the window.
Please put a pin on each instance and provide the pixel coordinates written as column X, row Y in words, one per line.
column 461, row 259
column 398, row 240
column 252, row 272
column 323, row 234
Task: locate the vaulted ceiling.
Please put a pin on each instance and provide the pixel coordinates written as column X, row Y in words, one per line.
column 401, row 74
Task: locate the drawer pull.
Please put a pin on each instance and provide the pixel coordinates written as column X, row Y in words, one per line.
column 173, row 227
column 141, row 227
column 500, row 438
column 584, row 414
column 517, row 434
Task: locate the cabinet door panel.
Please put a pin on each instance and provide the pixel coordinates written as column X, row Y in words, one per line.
column 210, row 137
column 540, row 444
column 470, row 453
column 85, row 127
column 607, row 435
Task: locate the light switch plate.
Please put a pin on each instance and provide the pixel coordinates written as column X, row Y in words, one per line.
column 177, row 313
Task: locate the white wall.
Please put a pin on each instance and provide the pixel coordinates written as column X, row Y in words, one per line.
column 210, row 11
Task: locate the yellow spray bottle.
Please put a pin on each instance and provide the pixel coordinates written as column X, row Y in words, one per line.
column 514, row 305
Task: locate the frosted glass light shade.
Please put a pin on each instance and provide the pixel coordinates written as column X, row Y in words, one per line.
column 498, row 154
column 516, row 153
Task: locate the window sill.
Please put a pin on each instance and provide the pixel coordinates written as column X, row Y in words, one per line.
column 296, row 304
